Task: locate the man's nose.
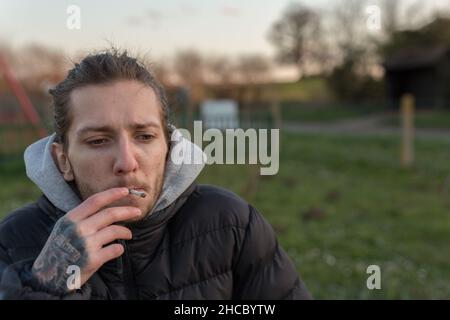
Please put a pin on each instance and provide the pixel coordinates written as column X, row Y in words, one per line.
column 125, row 159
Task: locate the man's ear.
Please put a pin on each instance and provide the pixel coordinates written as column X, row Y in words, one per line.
column 62, row 161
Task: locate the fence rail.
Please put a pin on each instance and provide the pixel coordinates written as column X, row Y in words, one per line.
column 245, row 120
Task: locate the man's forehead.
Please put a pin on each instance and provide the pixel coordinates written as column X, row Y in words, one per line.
column 112, row 106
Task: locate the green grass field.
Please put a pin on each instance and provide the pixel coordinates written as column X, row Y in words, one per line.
column 338, row 205
column 326, row 113
column 307, row 89
column 435, row 119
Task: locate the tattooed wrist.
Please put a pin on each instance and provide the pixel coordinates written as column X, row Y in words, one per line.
column 64, row 247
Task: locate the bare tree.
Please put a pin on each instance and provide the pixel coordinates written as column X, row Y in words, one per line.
column 253, row 68
column 297, row 36
column 38, row 60
column 161, row 71
column 189, row 65
column 221, row 68
column 39, row 67
column 390, row 14
column 349, row 23
column 255, row 71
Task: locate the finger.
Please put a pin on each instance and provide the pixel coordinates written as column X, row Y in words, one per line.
column 109, row 216
column 108, row 235
column 96, row 202
column 108, row 253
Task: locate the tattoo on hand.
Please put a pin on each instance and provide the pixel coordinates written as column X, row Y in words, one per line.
column 63, row 248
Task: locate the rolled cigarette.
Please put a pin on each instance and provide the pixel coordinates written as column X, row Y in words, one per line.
column 137, row 193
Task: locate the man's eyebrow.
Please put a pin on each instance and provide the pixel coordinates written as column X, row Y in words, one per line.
column 94, row 129
column 145, row 125
column 106, row 128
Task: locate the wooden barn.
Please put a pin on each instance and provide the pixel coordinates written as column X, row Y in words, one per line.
column 423, row 72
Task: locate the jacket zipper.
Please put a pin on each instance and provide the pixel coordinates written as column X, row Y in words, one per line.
column 129, row 281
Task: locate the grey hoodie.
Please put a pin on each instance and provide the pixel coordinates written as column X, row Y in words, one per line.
column 178, row 175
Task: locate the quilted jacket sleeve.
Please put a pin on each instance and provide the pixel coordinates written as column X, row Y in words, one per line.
column 263, row 269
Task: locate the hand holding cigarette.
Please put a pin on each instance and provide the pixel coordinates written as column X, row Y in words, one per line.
column 83, row 237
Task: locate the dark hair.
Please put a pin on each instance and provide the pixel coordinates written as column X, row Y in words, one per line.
column 100, row 68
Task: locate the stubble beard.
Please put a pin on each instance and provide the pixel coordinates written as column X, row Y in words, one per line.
column 85, row 190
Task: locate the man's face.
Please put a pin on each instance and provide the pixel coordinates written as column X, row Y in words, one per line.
column 116, row 139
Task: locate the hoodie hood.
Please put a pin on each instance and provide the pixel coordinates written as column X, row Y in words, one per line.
column 178, row 174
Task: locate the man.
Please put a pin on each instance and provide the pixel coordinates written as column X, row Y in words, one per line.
column 87, row 237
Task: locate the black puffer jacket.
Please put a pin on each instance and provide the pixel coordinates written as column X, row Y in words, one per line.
column 208, row 244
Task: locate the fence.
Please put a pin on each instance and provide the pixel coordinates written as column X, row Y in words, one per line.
column 263, row 119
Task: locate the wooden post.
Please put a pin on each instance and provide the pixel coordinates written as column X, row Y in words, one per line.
column 407, row 115
column 276, row 113
column 274, row 106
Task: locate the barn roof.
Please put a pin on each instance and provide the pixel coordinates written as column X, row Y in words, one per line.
column 414, row 58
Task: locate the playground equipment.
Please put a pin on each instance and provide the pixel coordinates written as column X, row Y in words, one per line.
column 27, row 107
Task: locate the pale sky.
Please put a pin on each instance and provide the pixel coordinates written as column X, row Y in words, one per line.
column 156, row 27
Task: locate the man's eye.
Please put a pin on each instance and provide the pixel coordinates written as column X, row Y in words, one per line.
column 96, row 142
column 145, row 137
